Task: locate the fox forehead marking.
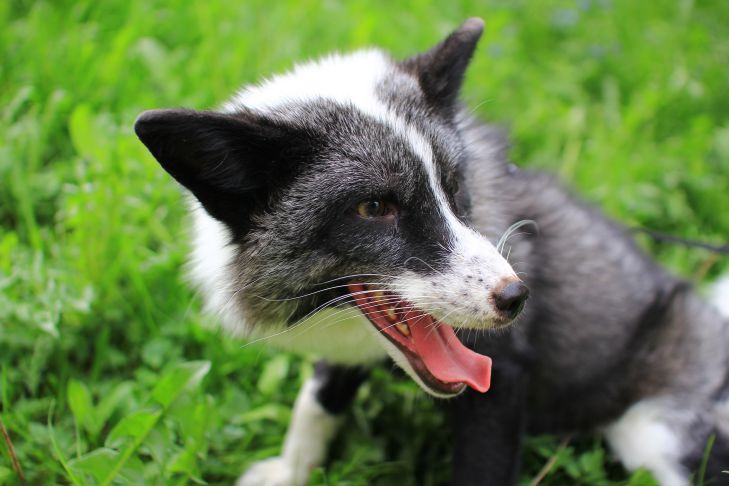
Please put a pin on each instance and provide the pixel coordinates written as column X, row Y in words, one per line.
column 350, row 80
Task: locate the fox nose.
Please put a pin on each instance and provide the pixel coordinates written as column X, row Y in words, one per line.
column 510, row 298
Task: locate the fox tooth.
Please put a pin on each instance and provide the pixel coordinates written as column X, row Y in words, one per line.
column 403, row 328
column 390, row 313
column 378, row 294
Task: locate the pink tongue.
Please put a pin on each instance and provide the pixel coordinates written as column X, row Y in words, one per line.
column 445, row 356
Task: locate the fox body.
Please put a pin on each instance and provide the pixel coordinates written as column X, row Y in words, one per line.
column 355, row 209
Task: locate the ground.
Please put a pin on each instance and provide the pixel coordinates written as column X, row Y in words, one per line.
column 109, row 372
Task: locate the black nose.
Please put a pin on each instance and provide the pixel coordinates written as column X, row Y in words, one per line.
column 510, row 298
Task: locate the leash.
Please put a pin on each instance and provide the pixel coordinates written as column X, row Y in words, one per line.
column 665, row 237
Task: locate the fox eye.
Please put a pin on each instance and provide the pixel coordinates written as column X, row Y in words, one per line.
column 376, row 208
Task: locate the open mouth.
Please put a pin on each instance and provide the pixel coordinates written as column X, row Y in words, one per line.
column 431, row 347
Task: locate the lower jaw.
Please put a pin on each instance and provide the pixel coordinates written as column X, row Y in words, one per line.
column 441, row 389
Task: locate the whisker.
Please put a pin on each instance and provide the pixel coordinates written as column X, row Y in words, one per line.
column 311, row 314
column 357, row 275
column 299, row 325
column 250, row 284
column 511, row 229
column 394, row 285
column 424, row 263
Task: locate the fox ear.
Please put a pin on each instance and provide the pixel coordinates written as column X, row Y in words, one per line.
column 228, row 161
column 440, row 70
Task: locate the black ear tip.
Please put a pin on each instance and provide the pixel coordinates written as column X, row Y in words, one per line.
column 473, row 26
column 147, row 120
column 144, row 122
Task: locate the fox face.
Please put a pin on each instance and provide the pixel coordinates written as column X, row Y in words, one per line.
column 329, row 215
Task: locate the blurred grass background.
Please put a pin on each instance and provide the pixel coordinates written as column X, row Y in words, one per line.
column 109, row 372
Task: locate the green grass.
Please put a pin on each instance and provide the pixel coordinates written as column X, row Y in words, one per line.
column 108, row 370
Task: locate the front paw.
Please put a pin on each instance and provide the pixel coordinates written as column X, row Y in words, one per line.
column 275, row 471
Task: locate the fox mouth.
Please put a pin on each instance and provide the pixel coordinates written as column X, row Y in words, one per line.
column 432, row 349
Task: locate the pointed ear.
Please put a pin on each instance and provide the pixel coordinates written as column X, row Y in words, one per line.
column 228, row 161
column 440, row 70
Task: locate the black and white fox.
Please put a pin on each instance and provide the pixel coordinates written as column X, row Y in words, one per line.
column 355, row 209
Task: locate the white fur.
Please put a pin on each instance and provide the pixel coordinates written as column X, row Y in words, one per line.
column 305, row 447
column 461, row 294
column 274, row 471
column 720, row 295
column 646, row 436
column 347, row 79
column 350, row 80
column 209, row 267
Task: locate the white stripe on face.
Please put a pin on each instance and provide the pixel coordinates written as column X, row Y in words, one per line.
column 462, row 292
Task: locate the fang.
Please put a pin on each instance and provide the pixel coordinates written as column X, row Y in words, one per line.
column 403, row 328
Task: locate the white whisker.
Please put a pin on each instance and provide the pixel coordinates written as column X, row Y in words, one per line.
column 510, row 231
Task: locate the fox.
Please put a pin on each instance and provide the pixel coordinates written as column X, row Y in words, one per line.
column 355, row 208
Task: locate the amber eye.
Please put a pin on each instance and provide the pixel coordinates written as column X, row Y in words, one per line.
column 375, row 208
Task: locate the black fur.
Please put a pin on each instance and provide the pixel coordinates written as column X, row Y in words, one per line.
column 338, row 385
column 229, row 162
